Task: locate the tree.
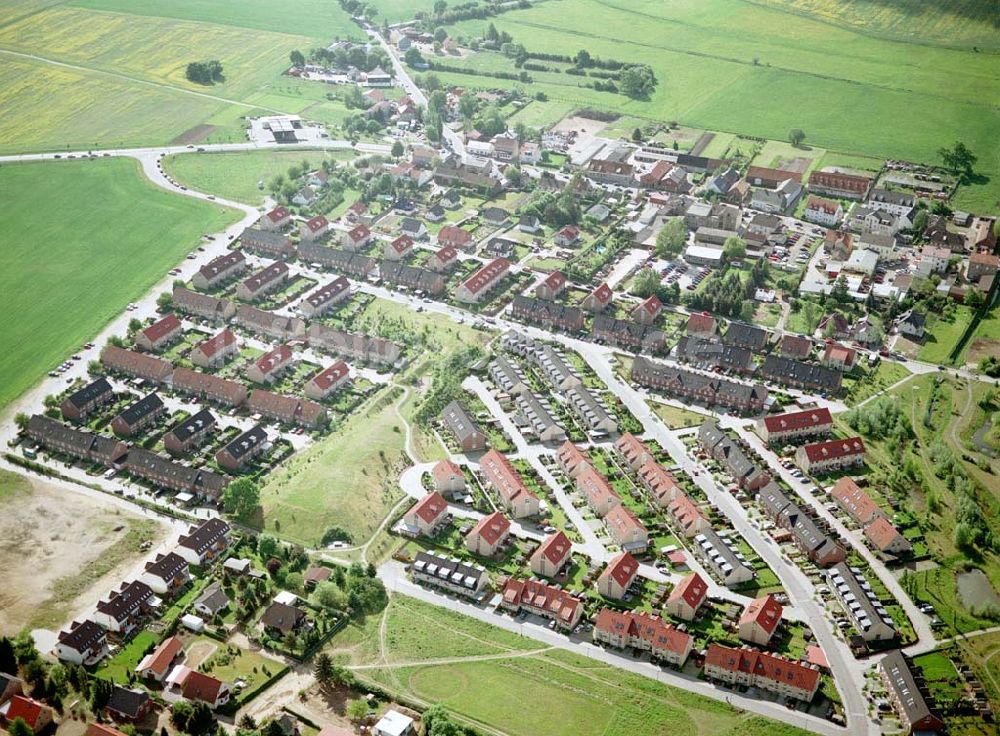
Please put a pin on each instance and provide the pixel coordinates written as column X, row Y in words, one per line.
column 134, row 325
column 974, row 298
column 645, row 283
column 583, row 58
column 468, row 105
column 21, row 420
column 329, row 595
column 513, row 175
column 357, row 710
column 397, row 149
column 297, row 59
column 796, row 136
column 637, row 135
column 734, row 248
column 431, row 82
column 637, row 81
column 267, row 546
column 8, row 658
column 241, row 498
column 323, row 669
column 204, row 72
column 920, row 221
column 671, row 238
column 440, row 34
column 959, row 160
column 839, row 292
column 19, row 727
column 412, row 57
column 439, row 7
column 100, row 693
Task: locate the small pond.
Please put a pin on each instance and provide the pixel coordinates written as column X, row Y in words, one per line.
column 976, row 592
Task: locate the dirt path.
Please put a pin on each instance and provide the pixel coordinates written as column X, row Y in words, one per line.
column 450, row 660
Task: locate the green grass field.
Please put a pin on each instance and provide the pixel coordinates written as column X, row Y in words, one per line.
column 82, row 240
column 315, row 18
column 348, row 480
column 155, row 49
column 704, row 53
column 235, row 175
column 943, row 334
column 947, row 22
column 580, row 696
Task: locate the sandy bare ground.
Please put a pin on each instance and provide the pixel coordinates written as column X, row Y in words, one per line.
column 982, row 347
column 577, row 124
column 53, row 546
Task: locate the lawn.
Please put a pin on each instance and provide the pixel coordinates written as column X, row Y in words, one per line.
column 231, row 663
column 721, row 63
column 675, row 417
column 864, row 383
column 60, row 258
column 580, row 696
column 943, row 334
column 235, row 175
column 118, row 668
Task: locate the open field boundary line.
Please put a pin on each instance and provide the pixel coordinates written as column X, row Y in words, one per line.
column 139, row 80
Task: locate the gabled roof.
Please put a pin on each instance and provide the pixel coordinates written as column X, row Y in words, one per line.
column 504, row 477
column 602, row 294
column 216, row 344
column 161, row 328
column 319, row 297
column 661, row 635
column 430, row 508
column 765, row 612
column 692, row 590
column 491, row 528
column 486, row 275
column 127, row 702
column 278, row 214
column 317, row 223
column 799, row 420
column 257, row 281
column 142, row 408
column 622, row 569
column 359, row 232
column 854, row 500
column 556, row 548
column 199, row 686
column 168, row 566
column 832, row 449
column 331, row 375
column 445, row 469
column 701, row 322
column 246, row 443
column 82, row 635
column 162, row 656
column 274, row 359
column 27, row 709
column 882, row 533
column 207, row 534
column 763, row 664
